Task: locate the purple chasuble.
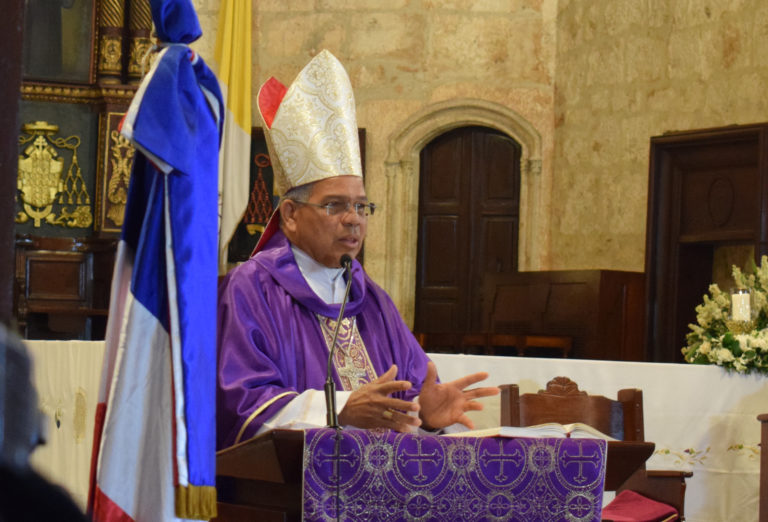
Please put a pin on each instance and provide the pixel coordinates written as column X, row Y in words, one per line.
column 271, row 346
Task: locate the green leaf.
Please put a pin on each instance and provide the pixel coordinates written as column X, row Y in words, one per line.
column 700, row 359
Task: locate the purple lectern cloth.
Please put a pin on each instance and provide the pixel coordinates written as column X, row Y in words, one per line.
column 271, row 347
column 383, row 475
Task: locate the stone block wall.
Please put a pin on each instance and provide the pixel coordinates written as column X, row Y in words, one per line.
column 627, row 70
column 594, row 79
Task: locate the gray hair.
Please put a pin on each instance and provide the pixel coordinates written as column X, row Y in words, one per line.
column 300, row 193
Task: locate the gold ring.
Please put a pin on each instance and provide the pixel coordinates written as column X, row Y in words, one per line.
column 387, row 414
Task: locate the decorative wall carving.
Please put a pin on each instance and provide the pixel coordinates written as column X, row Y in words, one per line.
column 111, row 22
column 140, row 28
column 46, row 185
column 115, row 163
column 76, row 94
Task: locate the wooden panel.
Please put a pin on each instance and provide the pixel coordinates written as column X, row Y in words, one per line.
column 601, row 310
column 443, row 230
column 438, row 316
column 495, row 155
column 439, row 267
column 719, row 201
column 234, row 513
column 261, row 477
column 498, row 247
column 57, row 277
column 62, row 286
column 442, row 187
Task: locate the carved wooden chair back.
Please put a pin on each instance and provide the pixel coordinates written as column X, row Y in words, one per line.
column 563, row 402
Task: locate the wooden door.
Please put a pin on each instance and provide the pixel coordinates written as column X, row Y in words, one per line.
column 708, row 192
column 469, row 201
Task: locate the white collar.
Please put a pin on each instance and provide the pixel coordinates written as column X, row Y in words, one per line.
column 327, row 283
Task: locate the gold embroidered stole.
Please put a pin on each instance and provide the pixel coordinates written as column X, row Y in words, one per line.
column 350, row 358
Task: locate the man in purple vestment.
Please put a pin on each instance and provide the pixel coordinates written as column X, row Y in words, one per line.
column 277, row 311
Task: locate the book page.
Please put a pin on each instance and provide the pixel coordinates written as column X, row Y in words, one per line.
column 585, row 431
column 539, row 431
column 548, row 430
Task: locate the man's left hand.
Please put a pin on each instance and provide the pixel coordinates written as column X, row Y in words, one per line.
column 443, row 404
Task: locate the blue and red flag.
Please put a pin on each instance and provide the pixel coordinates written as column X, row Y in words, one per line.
column 154, row 444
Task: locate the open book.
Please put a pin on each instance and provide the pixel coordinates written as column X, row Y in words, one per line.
column 550, row 429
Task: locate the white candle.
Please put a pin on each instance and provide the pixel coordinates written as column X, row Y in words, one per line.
column 740, row 306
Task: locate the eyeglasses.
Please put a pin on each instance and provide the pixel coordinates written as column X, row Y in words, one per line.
column 334, row 208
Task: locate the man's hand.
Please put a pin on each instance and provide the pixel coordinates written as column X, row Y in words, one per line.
column 443, row 404
column 370, row 406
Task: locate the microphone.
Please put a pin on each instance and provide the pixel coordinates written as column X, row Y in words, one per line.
column 330, row 386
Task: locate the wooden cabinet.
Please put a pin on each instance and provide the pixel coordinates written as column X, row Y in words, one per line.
column 62, row 285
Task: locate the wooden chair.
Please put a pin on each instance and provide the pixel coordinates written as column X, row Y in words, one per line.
column 763, row 418
column 621, row 418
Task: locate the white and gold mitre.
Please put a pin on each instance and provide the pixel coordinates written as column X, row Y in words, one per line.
column 311, row 128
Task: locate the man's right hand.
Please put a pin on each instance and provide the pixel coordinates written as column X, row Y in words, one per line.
column 371, row 406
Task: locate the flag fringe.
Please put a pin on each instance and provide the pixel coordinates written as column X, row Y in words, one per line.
column 196, row 502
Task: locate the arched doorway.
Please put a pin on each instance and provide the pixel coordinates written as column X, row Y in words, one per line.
column 469, row 215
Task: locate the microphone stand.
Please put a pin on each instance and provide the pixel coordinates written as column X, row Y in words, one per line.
column 330, row 386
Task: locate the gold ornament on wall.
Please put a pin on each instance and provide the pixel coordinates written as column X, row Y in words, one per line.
column 139, row 34
column 114, row 165
column 43, row 181
column 139, row 63
column 111, row 54
column 117, row 185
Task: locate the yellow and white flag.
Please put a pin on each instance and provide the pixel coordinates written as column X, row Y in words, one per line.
column 233, row 59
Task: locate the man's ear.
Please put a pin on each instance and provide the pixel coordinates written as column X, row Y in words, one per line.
column 288, row 209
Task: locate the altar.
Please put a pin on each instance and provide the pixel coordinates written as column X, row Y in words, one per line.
column 701, row 418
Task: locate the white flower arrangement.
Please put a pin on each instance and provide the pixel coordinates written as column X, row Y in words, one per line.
column 713, row 340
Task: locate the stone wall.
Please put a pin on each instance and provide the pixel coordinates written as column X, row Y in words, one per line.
column 628, row 70
column 586, row 83
column 412, row 64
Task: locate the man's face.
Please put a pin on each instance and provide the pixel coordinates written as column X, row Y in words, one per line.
column 326, row 238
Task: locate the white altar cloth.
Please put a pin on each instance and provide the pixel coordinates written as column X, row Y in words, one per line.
column 701, row 418
column 66, row 375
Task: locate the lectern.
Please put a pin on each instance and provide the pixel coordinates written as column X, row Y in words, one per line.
column 261, row 479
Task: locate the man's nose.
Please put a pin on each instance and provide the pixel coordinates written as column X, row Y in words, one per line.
column 351, row 217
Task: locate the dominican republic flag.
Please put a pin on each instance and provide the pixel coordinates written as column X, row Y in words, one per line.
column 154, row 442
